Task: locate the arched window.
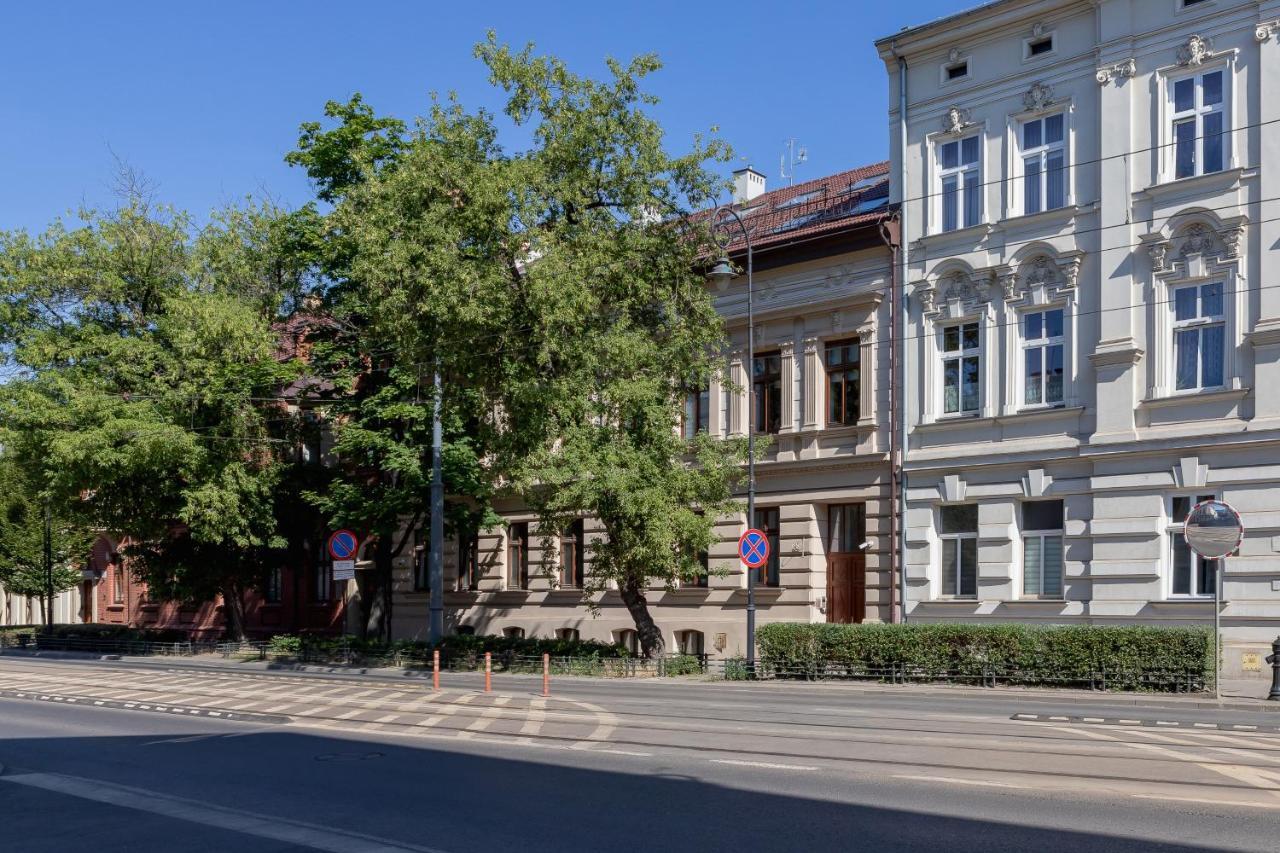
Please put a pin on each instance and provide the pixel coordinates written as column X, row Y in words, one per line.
column 689, row 642
column 629, row 639
column 513, row 633
column 466, row 630
column 567, row 634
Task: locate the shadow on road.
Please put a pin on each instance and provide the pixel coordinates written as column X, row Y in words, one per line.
column 458, row 802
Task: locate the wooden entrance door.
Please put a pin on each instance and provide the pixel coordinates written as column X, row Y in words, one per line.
column 846, row 588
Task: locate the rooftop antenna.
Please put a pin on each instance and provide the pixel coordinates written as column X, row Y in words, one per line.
column 793, row 157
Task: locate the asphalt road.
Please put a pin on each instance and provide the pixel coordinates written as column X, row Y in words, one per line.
column 365, row 766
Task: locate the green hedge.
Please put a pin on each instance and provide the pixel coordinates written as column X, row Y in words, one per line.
column 1126, row 658
column 456, row 650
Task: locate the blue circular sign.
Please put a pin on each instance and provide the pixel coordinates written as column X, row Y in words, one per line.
column 343, row 544
column 753, row 548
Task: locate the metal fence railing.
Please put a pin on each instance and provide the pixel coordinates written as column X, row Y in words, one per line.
column 101, row 645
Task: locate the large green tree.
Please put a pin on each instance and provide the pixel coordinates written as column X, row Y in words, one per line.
column 146, row 383
column 42, row 545
column 556, row 291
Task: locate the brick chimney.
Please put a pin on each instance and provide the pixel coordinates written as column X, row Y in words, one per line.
column 747, row 184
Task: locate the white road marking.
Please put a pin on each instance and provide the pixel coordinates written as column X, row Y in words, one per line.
column 768, row 765
column 1204, row 800
column 291, row 832
column 956, row 780
column 537, row 713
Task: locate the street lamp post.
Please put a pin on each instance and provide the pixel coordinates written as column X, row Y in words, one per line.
column 723, row 220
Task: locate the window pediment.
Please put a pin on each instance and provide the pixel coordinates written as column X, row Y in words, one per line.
column 1196, row 249
column 955, row 294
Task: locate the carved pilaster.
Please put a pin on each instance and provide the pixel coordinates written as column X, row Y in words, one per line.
column 867, row 374
column 787, row 350
column 813, row 385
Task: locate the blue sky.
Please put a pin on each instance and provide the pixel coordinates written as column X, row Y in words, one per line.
column 205, row 99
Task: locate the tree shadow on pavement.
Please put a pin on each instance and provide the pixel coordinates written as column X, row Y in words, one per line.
column 530, row 800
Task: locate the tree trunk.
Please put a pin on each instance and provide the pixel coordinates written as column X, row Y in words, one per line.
column 382, row 565
column 651, row 644
column 233, row 612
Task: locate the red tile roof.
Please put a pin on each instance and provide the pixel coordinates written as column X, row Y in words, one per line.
column 824, row 205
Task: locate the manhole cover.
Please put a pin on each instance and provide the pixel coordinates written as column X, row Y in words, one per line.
column 348, row 756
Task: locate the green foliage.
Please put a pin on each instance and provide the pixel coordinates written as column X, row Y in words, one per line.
column 555, row 290
column 285, row 644
column 145, row 362
column 22, row 536
column 1115, row 657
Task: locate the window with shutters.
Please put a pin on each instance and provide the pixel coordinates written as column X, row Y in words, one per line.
column 958, row 530
column 1042, row 549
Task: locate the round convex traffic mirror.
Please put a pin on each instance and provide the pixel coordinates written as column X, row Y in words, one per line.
column 1213, row 530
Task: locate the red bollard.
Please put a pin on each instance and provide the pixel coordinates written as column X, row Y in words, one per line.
column 488, row 678
column 435, row 670
column 546, row 674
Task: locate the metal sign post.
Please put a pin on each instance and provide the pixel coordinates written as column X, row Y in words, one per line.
column 1213, row 530
column 753, row 548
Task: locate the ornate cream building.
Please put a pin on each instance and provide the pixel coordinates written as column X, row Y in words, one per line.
column 1093, row 313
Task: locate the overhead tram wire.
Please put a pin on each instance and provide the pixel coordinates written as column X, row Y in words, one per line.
column 905, row 338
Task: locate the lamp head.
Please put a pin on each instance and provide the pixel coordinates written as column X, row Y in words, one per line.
column 722, row 273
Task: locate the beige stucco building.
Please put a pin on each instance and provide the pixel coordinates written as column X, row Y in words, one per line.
column 822, row 272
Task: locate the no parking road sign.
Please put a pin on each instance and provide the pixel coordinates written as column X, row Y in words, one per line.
column 753, row 548
column 343, row 545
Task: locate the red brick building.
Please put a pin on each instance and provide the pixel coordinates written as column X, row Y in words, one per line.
column 292, row 599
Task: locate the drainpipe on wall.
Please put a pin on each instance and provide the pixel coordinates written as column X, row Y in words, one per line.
column 891, row 233
column 900, row 302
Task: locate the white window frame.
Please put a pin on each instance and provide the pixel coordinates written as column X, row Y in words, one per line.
column 1225, row 63
column 1051, row 36
column 1198, row 323
column 959, row 554
column 1041, row 535
column 1173, row 531
column 960, row 356
column 958, row 172
column 1043, row 343
column 1041, row 154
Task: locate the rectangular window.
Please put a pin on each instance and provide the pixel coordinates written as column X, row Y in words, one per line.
column 844, row 389
column 322, row 588
column 1197, row 132
column 961, row 369
column 1199, row 337
column 422, row 556
column 697, row 412
column 1042, row 549
column 469, row 569
column 846, row 528
column 961, row 180
column 1044, row 174
column 766, row 385
column 703, row 578
column 1039, row 47
column 1192, row 575
column 958, row 71
column 1043, row 373
column 518, row 556
column 572, row 561
column 767, row 522
column 959, row 533
column 117, row 582
column 272, row 587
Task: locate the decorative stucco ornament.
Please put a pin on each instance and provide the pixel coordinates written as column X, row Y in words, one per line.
column 1195, row 51
column 1039, row 96
column 955, row 120
column 1125, row 68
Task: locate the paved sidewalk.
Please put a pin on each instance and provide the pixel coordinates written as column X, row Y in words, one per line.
column 1237, row 694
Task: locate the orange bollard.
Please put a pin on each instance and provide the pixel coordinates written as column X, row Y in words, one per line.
column 488, row 678
column 546, row 674
column 435, row 670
